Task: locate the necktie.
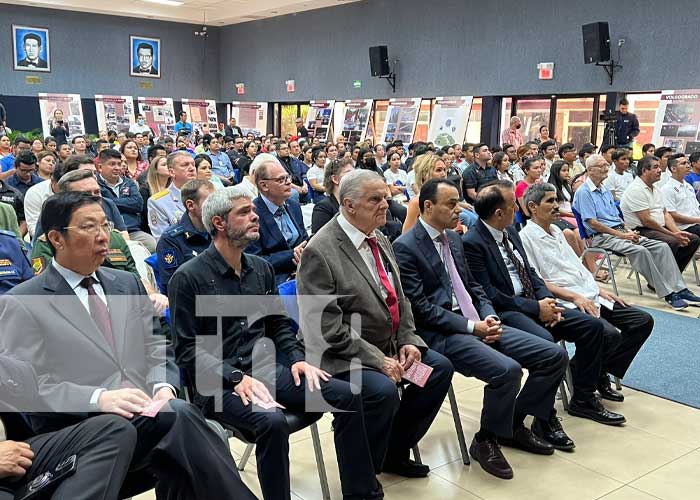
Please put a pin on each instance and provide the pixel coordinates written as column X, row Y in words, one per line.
column 284, row 227
column 392, row 301
column 463, row 298
column 528, row 288
column 98, row 311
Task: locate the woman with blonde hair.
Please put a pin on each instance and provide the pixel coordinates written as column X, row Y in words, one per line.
column 426, row 166
column 157, row 179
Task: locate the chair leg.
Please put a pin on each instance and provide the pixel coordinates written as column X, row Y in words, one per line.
column 416, row 454
column 695, row 270
column 320, row 464
column 618, row 384
column 458, row 426
column 567, row 380
column 639, row 283
column 246, row 456
column 611, row 269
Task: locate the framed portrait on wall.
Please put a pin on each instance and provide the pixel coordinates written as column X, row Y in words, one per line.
column 144, row 56
column 30, row 49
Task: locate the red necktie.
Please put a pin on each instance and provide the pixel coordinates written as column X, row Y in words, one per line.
column 391, row 299
column 99, row 311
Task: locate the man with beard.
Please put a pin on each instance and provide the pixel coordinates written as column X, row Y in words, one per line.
column 512, row 134
column 224, row 269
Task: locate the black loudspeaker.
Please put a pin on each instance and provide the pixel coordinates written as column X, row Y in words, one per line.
column 596, row 42
column 379, row 61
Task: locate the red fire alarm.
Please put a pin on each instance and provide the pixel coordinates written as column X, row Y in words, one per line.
column 546, row 70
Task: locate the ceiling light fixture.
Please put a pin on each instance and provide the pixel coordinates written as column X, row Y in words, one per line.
column 170, row 3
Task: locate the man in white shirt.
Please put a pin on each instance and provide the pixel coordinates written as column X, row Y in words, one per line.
column 679, row 196
column 625, row 328
column 663, row 154
column 620, row 177
column 140, row 126
column 643, row 208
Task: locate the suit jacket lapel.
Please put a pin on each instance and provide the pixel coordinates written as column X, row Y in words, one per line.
column 268, row 220
column 428, row 248
column 495, row 252
column 71, row 309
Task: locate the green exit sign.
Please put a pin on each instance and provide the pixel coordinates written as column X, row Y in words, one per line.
column 357, row 84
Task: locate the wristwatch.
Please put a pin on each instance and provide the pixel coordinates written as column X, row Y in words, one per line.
column 236, row 376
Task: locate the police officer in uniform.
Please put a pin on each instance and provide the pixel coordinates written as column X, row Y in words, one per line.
column 188, row 238
column 165, row 208
column 14, row 266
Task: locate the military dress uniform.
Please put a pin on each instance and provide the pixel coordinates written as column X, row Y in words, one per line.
column 178, row 244
column 164, row 209
column 118, row 254
column 14, row 266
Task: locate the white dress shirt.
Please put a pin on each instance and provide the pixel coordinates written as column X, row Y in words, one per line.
column 512, row 271
column 33, row 201
column 358, row 238
column 618, row 183
column 680, row 197
column 638, row 196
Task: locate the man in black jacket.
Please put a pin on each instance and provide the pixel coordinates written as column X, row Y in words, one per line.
column 626, row 125
column 254, row 342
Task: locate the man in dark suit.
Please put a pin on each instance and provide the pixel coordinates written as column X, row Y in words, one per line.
column 32, row 51
column 454, row 317
column 232, row 130
column 144, row 55
column 103, row 445
column 366, row 332
column 497, row 259
column 90, row 337
column 282, row 232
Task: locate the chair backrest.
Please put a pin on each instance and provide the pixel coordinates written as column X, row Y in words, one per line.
column 288, row 293
column 579, row 223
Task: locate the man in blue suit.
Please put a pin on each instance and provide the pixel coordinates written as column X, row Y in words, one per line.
column 282, row 232
column 455, row 317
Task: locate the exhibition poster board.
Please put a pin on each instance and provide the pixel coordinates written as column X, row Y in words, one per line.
column 250, row 116
column 159, row 114
column 678, row 121
column 201, row 113
column 355, row 119
column 401, row 118
column 449, row 121
column 114, row 112
column 72, row 112
column 319, row 119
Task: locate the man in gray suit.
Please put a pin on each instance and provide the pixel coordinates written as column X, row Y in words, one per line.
column 89, row 333
column 367, row 332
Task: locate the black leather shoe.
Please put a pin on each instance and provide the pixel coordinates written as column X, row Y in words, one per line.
column 525, row 440
column 376, row 494
column 607, row 392
column 488, row 454
column 552, row 432
column 594, row 410
column 406, row 468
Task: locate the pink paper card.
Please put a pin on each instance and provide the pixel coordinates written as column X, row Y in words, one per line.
column 418, row 373
column 153, row 409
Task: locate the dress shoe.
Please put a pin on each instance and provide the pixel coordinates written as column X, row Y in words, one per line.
column 551, row 431
column 488, row 454
column 406, row 468
column 607, row 392
column 525, row 440
column 376, row 494
column 594, row 410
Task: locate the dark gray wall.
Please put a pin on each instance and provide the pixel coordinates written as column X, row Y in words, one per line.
column 452, row 47
column 90, row 55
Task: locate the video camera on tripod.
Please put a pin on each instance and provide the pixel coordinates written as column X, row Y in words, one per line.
column 609, row 116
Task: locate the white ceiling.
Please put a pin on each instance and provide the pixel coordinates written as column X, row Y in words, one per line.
column 218, row 12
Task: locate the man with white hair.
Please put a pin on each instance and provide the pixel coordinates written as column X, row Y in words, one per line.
column 512, row 134
column 250, row 376
column 651, row 258
column 367, row 333
column 282, row 232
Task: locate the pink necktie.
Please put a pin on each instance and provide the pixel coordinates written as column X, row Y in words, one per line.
column 463, row 298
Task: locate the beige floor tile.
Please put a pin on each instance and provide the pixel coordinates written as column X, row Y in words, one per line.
column 440, row 445
column 536, row 478
column 461, row 383
column 628, row 493
column 623, row 453
column 678, row 480
column 430, row 487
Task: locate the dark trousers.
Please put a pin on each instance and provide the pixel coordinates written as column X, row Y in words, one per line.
column 189, row 460
column 500, row 366
column 104, row 446
column 621, row 347
column 357, row 476
column 585, row 331
column 683, row 255
column 396, row 423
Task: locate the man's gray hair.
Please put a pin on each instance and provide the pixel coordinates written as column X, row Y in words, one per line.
column 594, row 160
column 352, row 183
column 514, row 119
column 260, row 163
column 220, row 203
column 170, row 160
column 536, row 193
column 73, row 176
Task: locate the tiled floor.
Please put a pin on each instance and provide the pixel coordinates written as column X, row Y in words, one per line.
column 655, row 456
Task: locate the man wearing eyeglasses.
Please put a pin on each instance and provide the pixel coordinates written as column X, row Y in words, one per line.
column 282, row 232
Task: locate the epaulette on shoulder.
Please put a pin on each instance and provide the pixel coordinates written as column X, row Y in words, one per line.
column 159, row 194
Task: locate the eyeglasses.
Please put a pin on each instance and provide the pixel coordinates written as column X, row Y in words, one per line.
column 94, row 229
column 279, row 180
